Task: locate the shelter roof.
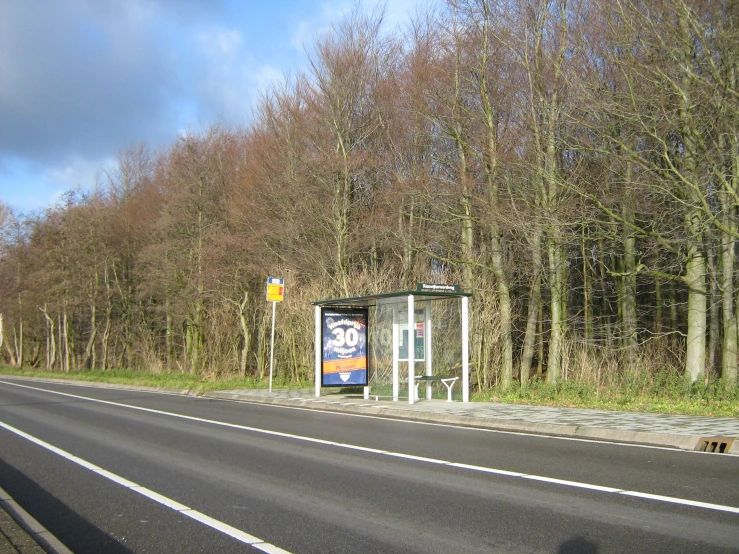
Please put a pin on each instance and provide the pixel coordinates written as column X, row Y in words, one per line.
column 423, row 292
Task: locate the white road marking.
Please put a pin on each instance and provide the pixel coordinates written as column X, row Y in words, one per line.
column 345, row 446
column 224, row 528
column 682, row 501
column 387, row 416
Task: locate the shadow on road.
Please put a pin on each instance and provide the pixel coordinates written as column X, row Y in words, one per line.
column 578, row 545
column 74, row 531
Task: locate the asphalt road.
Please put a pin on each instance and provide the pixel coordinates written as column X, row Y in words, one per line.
column 109, row 470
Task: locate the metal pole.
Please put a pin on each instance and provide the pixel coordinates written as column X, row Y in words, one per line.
column 396, row 355
column 411, row 350
column 272, row 346
column 319, row 348
column 465, row 349
column 427, row 345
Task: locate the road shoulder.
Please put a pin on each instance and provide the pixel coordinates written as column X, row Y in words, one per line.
column 21, row 533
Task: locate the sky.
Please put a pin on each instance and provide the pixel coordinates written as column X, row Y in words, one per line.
column 81, row 81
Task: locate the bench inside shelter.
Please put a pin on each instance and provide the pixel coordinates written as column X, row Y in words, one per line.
column 428, row 379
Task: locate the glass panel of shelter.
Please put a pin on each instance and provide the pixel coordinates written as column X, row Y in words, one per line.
column 437, row 348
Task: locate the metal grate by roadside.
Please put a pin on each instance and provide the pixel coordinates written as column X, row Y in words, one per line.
column 717, row 445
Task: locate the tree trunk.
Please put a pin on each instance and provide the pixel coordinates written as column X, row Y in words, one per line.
column 556, row 291
column 587, row 291
column 106, row 337
column 728, row 249
column 19, row 344
column 605, row 319
column 628, row 287
column 490, row 159
column 714, row 317
column 695, row 279
column 18, row 339
column 50, row 339
column 341, row 223
column 59, row 340
column 169, row 337
column 194, row 340
column 540, row 338
column 11, row 351
column 245, row 334
column 407, row 235
column 695, row 274
column 89, row 355
column 534, row 310
column 65, row 342
column 467, row 236
column 674, row 324
column 729, row 175
column 658, row 308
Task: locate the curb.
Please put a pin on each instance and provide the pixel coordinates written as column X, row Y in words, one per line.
column 37, row 532
column 645, row 438
column 52, row 545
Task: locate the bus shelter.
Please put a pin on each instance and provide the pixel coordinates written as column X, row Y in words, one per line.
column 429, row 326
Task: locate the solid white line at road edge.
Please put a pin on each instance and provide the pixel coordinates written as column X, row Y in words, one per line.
column 224, row 528
column 482, row 469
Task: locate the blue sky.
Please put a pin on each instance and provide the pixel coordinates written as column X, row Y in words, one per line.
column 82, row 80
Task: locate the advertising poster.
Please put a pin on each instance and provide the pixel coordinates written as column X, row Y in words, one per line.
column 344, row 340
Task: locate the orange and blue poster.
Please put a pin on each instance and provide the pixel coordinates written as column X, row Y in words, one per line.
column 344, row 340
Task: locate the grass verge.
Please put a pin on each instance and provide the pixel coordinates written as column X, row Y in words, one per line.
column 665, row 392
column 177, row 381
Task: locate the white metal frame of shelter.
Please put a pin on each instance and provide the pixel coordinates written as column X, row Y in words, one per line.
column 425, row 294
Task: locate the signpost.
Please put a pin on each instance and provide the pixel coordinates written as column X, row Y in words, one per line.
column 275, row 294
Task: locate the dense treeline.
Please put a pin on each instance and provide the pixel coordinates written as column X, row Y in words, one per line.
column 574, row 164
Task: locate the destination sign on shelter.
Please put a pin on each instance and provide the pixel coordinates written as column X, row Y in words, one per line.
column 432, row 287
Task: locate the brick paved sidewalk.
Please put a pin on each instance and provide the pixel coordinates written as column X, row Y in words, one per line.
column 14, row 539
column 674, row 431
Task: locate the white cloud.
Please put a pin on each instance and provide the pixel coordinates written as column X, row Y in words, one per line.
column 224, row 70
column 27, row 188
column 267, row 76
column 310, row 29
column 81, row 172
column 397, row 14
column 82, row 79
column 220, row 42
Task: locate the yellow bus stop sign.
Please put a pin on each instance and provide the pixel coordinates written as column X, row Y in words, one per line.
column 275, row 289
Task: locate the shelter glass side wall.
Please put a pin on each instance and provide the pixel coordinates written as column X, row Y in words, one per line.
column 389, row 317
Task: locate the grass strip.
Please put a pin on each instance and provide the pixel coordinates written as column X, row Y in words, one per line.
column 665, row 393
